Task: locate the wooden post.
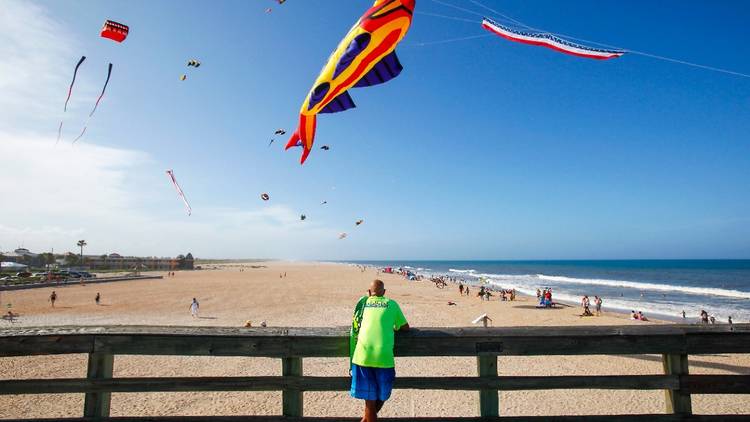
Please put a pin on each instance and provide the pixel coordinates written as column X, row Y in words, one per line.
column 291, row 399
column 96, row 405
column 488, row 402
column 677, row 401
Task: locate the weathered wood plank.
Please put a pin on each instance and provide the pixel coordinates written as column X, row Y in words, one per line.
column 96, row 404
column 677, row 401
column 715, row 384
column 597, row 418
column 332, row 342
column 488, row 398
column 309, row 383
column 291, row 398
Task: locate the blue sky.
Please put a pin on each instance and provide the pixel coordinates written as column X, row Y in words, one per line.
column 480, row 149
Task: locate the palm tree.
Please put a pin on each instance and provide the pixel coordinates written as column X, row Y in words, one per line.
column 81, row 244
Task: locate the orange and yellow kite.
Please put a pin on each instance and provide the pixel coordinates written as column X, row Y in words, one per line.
column 365, row 57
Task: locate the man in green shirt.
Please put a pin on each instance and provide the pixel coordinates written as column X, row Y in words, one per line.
column 376, row 318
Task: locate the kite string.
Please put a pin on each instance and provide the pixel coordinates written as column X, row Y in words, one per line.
column 640, row 53
column 470, row 37
column 455, row 18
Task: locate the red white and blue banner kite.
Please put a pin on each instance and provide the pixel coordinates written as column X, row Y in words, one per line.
column 550, row 41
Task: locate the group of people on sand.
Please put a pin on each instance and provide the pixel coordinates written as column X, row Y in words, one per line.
column 638, row 316
column 53, row 298
column 485, row 293
column 709, row 319
column 586, row 306
column 545, row 298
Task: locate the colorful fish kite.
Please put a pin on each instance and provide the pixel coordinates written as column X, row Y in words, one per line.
column 115, row 31
column 550, row 41
column 365, row 57
column 180, row 193
column 70, row 91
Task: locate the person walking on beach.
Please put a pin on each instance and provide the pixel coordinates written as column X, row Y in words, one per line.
column 53, row 298
column 460, row 289
column 376, row 318
column 194, row 308
column 598, row 304
column 97, row 298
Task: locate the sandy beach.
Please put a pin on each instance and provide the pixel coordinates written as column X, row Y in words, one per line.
column 321, row 294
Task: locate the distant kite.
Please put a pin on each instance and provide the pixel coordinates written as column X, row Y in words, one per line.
column 183, row 77
column 265, row 197
column 550, row 41
column 359, row 222
column 302, row 217
column 324, row 202
column 365, row 57
column 96, row 105
column 70, row 91
column 115, row 31
column 325, row 147
column 279, row 132
column 193, row 63
column 342, row 236
column 180, row 193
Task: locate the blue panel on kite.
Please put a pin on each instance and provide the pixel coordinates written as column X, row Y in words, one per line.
column 358, row 45
column 318, row 94
column 387, row 68
column 341, row 103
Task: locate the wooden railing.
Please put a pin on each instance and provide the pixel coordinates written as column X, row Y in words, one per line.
column 292, row 345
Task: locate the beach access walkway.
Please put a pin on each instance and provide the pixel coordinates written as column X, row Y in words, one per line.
column 675, row 343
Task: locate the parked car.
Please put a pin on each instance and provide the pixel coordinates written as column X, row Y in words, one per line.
column 86, row 274
column 74, row 274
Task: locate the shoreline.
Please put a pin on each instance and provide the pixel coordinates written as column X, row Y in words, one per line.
column 471, row 277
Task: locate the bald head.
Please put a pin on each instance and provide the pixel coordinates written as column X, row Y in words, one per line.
column 377, row 288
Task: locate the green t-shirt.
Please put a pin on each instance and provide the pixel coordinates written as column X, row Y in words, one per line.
column 375, row 342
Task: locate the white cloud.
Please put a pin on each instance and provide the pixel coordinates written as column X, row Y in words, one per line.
column 35, row 67
column 117, row 199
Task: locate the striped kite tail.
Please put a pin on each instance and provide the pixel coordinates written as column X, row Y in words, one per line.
column 304, row 136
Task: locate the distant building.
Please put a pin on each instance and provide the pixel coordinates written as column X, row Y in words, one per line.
column 23, row 256
column 112, row 261
column 115, row 261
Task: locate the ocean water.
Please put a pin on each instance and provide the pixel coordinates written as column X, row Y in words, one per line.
column 658, row 288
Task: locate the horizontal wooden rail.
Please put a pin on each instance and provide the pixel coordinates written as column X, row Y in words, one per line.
column 694, row 384
column 593, row 418
column 333, row 342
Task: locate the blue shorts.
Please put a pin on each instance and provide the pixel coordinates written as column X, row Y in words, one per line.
column 372, row 383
